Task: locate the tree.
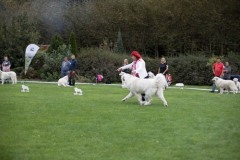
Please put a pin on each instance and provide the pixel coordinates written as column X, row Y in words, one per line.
column 118, row 47
column 73, row 43
column 56, row 42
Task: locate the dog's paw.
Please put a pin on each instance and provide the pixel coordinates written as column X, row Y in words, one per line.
column 146, row 103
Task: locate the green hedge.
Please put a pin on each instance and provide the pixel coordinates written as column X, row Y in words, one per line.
column 188, row 69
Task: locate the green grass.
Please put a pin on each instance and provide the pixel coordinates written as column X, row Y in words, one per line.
column 50, row 122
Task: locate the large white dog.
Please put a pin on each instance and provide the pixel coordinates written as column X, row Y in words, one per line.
column 237, row 83
column 8, row 75
column 150, row 87
column 63, row 81
column 229, row 85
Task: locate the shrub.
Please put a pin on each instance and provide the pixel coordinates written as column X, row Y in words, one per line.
column 73, row 43
column 96, row 61
column 47, row 66
column 188, row 69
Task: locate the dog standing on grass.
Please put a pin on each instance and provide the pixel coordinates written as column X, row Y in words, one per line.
column 222, row 84
column 6, row 75
column 237, row 83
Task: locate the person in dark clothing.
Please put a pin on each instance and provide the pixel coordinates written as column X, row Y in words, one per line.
column 72, row 71
column 163, row 66
column 227, row 71
column 65, row 67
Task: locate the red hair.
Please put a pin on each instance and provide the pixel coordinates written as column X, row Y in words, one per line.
column 136, row 54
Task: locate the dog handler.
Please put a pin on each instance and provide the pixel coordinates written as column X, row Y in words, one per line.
column 138, row 67
column 218, row 69
column 72, row 71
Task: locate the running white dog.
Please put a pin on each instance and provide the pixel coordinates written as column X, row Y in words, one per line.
column 152, row 76
column 63, row 81
column 25, row 88
column 138, row 86
column 225, row 84
column 6, row 75
column 237, row 83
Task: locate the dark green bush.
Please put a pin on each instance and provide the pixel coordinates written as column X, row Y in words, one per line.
column 97, row 61
column 191, row 70
column 188, row 69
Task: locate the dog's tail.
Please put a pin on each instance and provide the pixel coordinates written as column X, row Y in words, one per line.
column 161, row 81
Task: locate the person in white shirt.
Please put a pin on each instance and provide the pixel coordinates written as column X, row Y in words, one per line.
column 138, row 67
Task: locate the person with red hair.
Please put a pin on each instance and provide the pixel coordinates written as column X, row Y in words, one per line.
column 138, row 67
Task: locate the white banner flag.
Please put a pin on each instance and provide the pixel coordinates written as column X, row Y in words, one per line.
column 31, row 51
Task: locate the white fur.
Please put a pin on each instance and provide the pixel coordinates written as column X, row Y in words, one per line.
column 151, row 75
column 25, row 88
column 225, row 84
column 138, row 86
column 78, row 91
column 237, row 83
column 63, row 81
column 6, row 75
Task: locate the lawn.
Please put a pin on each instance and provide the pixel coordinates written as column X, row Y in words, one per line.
column 51, row 123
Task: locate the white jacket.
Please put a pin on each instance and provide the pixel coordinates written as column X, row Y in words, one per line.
column 140, row 68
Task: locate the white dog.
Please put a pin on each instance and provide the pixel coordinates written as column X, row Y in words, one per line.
column 63, row 81
column 25, row 88
column 6, row 75
column 237, row 83
column 138, row 86
column 151, row 75
column 78, row 91
column 225, row 84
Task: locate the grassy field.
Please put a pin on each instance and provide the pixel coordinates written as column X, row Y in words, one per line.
column 51, row 123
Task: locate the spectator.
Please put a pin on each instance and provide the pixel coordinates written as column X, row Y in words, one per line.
column 137, row 66
column 72, row 70
column 65, row 67
column 6, row 64
column 163, row 66
column 217, row 69
column 227, row 71
column 127, row 70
